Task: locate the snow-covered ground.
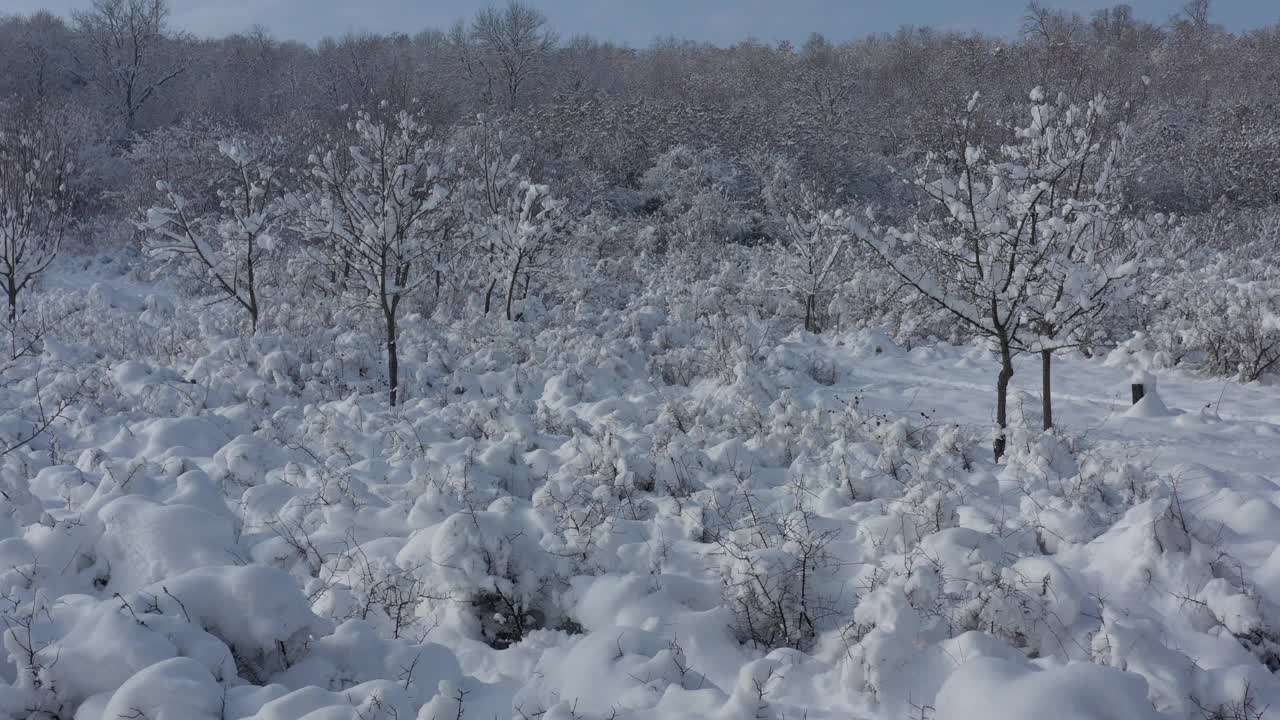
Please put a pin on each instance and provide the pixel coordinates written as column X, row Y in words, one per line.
column 564, row 521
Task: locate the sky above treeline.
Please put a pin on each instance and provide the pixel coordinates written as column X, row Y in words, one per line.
column 638, row 22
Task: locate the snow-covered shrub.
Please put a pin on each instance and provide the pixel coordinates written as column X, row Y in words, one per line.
column 489, row 565
column 777, row 568
column 695, row 194
column 1236, row 325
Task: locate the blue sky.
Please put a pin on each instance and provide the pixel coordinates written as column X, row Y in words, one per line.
column 637, row 22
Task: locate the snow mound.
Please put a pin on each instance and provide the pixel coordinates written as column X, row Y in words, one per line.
column 144, row 542
column 995, row 689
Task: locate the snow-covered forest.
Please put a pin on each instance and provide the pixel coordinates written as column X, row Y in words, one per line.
column 486, row 372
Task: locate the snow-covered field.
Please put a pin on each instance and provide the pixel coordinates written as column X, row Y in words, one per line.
column 559, row 524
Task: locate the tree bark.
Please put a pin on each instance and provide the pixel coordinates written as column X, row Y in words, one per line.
column 511, row 287
column 488, row 296
column 1046, row 387
column 253, row 290
column 1002, row 399
column 393, row 357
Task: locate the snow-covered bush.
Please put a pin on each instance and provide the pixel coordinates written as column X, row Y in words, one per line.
column 696, row 197
column 1214, row 304
column 488, row 563
column 777, row 569
column 1236, row 325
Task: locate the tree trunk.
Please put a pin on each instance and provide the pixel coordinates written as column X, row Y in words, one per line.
column 810, row 322
column 12, row 292
column 511, row 286
column 1002, row 399
column 393, row 357
column 1046, row 387
column 488, row 296
column 253, row 288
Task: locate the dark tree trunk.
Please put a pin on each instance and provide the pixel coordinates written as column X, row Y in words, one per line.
column 253, row 291
column 393, row 357
column 1046, row 387
column 488, row 296
column 1002, row 399
column 511, row 286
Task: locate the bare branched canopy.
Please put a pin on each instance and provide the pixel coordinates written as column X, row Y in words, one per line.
column 126, row 53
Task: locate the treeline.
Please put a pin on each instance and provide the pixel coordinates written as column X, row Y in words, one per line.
column 1203, row 98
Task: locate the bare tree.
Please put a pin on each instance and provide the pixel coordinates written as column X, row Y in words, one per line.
column 34, row 53
column 504, row 49
column 123, row 54
column 378, row 210
column 35, row 165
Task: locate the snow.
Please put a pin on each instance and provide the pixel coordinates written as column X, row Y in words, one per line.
column 996, row 689
column 137, row 541
column 175, row 689
column 558, row 523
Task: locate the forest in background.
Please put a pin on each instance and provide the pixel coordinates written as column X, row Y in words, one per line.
column 1203, row 99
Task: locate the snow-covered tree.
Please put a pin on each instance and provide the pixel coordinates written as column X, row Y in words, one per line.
column 378, row 213
column 1073, row 157
column 527, row 235
column 514, row 223
column 1014, row 247
column 231, row 246
column 35, row 168
column 489, row 172
column 1096, row 266
column 693, row 194
column 811, row 243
